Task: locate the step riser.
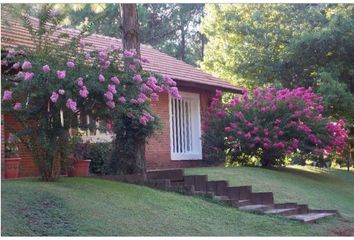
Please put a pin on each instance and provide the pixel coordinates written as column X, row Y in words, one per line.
column 218, row 187
column 303, row 208
column 262, row 198
column 173, row 175
column 188, row 190
column 285, row 205
column 199, row 182
column 238, row 193
column 163, row 184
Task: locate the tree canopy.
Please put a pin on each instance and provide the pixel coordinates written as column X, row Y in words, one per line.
column 284, row 45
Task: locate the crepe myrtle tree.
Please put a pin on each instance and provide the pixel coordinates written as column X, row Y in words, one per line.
column 49, row 87
column 271, row 124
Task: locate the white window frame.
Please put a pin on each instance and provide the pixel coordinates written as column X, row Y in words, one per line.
column 196, row 154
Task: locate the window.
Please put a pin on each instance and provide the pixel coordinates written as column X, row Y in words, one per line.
column 185, row 127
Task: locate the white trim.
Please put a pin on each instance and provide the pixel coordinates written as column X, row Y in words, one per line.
column 182, row 151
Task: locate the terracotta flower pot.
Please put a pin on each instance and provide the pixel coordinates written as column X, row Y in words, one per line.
column 12, row 167
column 80, row 168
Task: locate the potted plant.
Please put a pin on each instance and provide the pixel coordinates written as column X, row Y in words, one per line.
column 78, row 166
column 12, row 160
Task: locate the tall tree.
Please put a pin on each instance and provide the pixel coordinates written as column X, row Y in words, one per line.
column 131, row 41
column 130, row 28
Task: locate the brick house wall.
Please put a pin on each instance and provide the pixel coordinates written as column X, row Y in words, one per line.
column 158, row 150
column 28, row 167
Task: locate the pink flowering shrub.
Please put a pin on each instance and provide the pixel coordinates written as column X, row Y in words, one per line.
column 49, row 87
column 271, row 124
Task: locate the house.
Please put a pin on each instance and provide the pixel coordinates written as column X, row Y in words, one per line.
column 179, row 143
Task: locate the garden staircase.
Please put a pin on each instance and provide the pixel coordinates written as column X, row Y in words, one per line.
column 240, row 197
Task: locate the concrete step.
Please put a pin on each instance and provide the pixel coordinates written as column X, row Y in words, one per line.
column 240, row 192
column 200, row 193
column 241, row 197
column 323, row 211
column 243, row 202
column 163, row 184
column 218, row 187
column 310, row 217
column 177, row 183
column 185, row 189
column 256, row 207
column 199, row 182
column 172, row 174
column 302, row 208
column 232, row 202
column 221, row 198
column 282, row 211
column 262, row 198
column 285, row 205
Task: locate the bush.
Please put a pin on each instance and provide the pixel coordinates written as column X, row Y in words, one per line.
column 100, row 155
column 271, row 124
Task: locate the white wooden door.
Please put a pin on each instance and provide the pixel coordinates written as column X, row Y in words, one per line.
column 185, row 127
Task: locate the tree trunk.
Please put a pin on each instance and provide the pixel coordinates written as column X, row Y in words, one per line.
column 130, row 29
column 140, row 156
column 131, row 40
column 182, row 50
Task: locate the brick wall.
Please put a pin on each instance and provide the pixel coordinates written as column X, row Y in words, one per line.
column 28, row 167
column 158, row 153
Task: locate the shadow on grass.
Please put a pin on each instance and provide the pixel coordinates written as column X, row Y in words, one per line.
column 318, row 174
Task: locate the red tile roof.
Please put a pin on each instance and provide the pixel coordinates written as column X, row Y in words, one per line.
column 159, row 62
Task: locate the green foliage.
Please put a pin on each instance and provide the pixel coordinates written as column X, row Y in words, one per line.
column 285, row 45
column 267, row 127
column 100, row 155
column 245, row 39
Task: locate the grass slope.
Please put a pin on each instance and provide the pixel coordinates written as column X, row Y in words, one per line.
column 319, row 188
column 94, row 207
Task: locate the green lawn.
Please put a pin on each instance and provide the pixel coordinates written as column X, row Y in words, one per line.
column 89, row 207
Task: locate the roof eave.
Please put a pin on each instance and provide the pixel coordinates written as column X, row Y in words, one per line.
column 209, row 87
